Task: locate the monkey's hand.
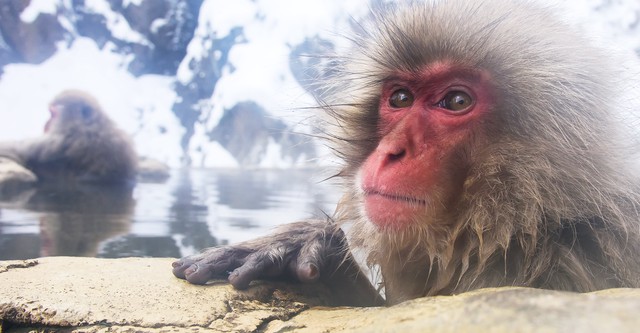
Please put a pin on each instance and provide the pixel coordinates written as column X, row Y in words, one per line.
column 306, row 251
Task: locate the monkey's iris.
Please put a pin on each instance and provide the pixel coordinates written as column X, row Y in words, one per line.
column 401, row 98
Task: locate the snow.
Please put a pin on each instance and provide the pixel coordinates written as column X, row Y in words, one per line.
column 116, row 23
column 261, row 70
column 127, row 3
column 210, row 154
column 273, row 157
column 262, row 63
column 157, row 24
column 37, row 7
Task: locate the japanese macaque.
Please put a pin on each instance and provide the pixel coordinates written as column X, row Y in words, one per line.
column 481, row 148
column 80, row 144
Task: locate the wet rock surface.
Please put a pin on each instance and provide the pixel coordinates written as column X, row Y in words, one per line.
column 140, row 294
column 152, row 170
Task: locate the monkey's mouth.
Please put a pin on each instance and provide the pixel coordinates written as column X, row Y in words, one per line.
column 394, row 197
column 392, row 211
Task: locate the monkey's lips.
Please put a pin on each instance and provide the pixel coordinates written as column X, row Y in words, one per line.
column 392, row 211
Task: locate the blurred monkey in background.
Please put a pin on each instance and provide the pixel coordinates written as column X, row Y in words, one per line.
column 80, row 144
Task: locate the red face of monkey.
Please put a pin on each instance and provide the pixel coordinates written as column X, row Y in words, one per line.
column 54, row 110
column 425, row 119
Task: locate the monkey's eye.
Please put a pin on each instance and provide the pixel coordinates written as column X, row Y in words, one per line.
column 456, row 101
column 85, row 111
column 401, row 98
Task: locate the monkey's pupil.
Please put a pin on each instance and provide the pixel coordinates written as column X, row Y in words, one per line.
column 401, row 99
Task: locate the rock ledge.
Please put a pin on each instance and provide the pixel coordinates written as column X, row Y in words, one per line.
column 141, row 294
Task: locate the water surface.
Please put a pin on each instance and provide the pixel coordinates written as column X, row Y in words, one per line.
column 192, row 210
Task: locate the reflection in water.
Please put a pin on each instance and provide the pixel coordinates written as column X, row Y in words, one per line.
column 69, row 221
column 192, row 210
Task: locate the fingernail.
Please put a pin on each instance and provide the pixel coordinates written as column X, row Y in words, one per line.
column 313, row 270
column 192, row 269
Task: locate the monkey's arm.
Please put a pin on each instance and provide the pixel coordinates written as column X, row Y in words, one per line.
column 308, row 251
column 36, row 150
column 12, row 150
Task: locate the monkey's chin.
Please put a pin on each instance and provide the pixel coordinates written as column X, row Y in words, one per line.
column 390, row 212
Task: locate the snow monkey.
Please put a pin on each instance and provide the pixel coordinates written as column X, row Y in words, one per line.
column 80, row 144
column 481, row 148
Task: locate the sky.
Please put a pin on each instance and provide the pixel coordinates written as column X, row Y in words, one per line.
column 141, row 105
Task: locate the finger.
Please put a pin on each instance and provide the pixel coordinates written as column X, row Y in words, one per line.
column 199, row 273
column 213, row 262
column 308, row 265
column 307, row 272
column 256, row 266
column 179, row 266
column 207, row 256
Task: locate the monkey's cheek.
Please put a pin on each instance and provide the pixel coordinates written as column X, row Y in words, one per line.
column 390, row 213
